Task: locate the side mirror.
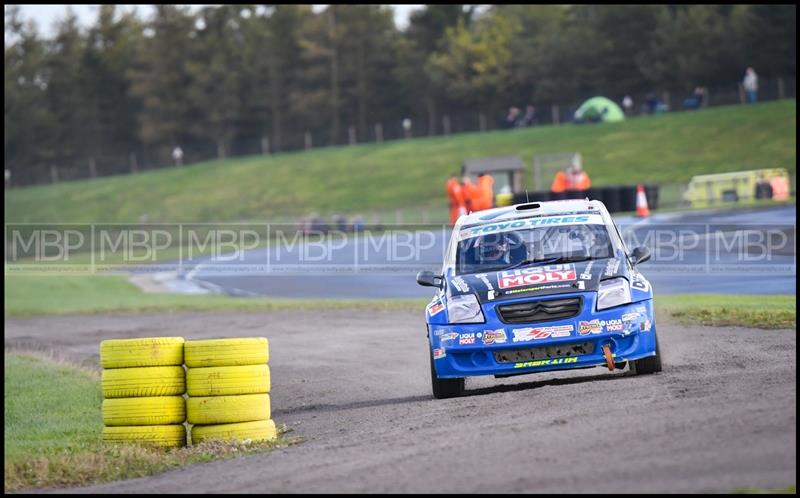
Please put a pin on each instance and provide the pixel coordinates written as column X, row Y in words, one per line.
column 640, row 255
column 429, row 279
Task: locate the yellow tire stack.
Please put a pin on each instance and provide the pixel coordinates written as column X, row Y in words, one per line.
column 228, row 383
column 143, row 385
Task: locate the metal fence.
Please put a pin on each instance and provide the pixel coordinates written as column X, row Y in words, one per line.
column 448, row 123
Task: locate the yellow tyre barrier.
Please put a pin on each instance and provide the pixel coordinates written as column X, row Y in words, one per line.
column 209, row 410
column 226, row 381
column 143, row 381
column 262, row 430
column 144, row 352
column 159, row 410
column 227, row 352
column 159, row 435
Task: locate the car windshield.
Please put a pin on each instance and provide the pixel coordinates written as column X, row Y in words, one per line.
column 482, row 249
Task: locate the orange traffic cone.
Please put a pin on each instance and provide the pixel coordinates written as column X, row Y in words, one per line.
column 642, row 211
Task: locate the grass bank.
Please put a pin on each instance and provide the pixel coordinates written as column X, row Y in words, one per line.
column 718, row 310
column 53, row 425
column 30, row 295
column 667, row 149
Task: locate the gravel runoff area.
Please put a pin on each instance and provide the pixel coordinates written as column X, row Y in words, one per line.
column 356, row 387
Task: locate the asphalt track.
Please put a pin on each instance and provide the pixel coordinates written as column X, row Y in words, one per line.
column 686, row 259
column 355, row 386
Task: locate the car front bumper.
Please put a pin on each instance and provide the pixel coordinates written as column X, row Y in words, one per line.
column 497, row 348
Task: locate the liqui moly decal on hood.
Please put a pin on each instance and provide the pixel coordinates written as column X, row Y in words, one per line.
column 536, row 275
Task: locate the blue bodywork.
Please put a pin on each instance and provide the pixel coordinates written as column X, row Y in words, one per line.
column 635, row 339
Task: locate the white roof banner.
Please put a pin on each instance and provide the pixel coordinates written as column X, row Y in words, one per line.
column 526, row 223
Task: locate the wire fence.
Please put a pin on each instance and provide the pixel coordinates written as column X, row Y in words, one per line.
column 448, row 123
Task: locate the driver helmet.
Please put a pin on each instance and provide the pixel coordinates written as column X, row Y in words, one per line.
column 493, row 248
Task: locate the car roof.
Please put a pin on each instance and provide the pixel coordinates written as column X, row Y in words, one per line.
column 530, row 209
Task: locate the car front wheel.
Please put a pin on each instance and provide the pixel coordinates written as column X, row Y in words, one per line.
column 649, row 365
column 445, row 388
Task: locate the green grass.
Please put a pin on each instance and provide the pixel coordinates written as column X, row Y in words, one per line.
column 375, row 178
column 767, row 312
column 788, row 490
column 53, row 426
column 30, row 295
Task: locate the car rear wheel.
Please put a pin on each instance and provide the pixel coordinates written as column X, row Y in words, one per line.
column 445, row 388
column 649, row 365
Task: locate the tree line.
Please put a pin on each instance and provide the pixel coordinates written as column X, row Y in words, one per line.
column 220, row 75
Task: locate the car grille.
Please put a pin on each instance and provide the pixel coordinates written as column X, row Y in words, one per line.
column 543, row 352
column 539, row 311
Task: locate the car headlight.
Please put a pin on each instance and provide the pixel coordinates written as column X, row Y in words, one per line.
column 613, row 292
column 464, row 309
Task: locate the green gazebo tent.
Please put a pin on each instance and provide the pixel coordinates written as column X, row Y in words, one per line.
column 599, row 110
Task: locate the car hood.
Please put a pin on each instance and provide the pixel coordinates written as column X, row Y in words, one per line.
column 537, row 280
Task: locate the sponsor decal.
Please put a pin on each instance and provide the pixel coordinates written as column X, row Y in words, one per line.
column 438, row 353
column 645, row 326
column 460, row 284
column 541, row 363
column 490, row 295
column 629, row 317
column 592, row 327
column 449, row 336
column 580, row 285
column 639, row 282
column 596, row 326
column 537, row 275
column 436, row 308
column 466, row 339
column 507, row 226
column 485, row 278
column 539, row 288
column 497, row 336
column 587, row 271
column 611, row 267
column 534, row 333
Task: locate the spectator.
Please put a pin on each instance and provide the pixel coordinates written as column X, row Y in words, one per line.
column 529, row 118
column 485, row 195
column 177, row 155
column 627, row 105
column 340, row 221
column 358, row 223
column 510, row 120
column 470, row 192
column 574, row 178
column 652, row 103
column 750, row 84
column 695, row 100
column 455, row 196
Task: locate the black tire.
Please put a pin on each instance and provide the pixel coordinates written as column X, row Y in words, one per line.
column 649, row 365
column 445, row 388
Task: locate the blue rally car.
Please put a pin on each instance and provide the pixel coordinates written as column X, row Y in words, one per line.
column 538, row 287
